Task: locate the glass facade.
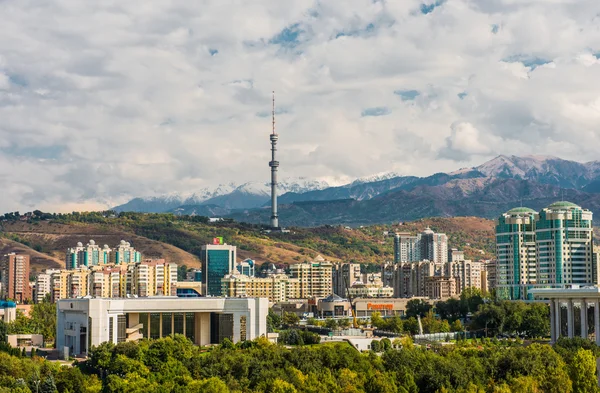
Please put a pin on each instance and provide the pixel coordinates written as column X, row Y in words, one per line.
column 178, row 323
column 190, row 326
column 219, row 263
column 221, row 327
column 144, row 322
column 154, row 325
column 167, row 318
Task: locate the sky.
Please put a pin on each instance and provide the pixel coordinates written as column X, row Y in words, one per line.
column 102, row 101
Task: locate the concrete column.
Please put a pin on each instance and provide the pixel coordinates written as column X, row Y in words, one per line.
column 553, row 337
column 583, row 313
column 570, row 315
column 557, row 327
column 597, row 321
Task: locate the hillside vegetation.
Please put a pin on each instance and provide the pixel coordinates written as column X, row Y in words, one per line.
column 179, row 238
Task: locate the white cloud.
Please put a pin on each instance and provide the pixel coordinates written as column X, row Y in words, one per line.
column 105, row 101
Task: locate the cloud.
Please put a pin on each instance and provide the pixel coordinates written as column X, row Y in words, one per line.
column 464, row 142
column 104, row 102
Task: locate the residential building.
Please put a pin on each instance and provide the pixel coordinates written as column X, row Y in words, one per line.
column 151, row 277
column 440, row 287
column 409, row 278
column 455, row 255
column 488, row 276
column 125, row 253
column 467, row 274
column 275, row 287
column 433, row 246
column 217, row 260
column 406, row 248
column 345, row 275
column 14, row 269
column 516, row 252
column 87, row 322
column 564, row 245
column 315, row 278
column 43, row 284
column 89, row 255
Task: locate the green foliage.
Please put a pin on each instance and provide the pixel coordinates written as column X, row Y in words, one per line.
column 530, row 319
column 417, row 307
column 273, row 321
column 290, row 319
column 583, row 372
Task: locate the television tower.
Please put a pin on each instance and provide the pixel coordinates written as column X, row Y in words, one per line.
column 274, row 164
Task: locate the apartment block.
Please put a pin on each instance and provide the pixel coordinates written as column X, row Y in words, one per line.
column 276, row 287
column 316, row 278
column 345, row 275
column 14, row 270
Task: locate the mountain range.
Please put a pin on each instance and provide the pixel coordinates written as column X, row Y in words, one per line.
column 486, row 191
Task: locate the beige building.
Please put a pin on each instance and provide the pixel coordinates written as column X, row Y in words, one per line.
column 370, row 290
column 466, row 273
column 345, row 275
column 276, row 287
column 148, row 278
column 441, row 287
column 316, row 278
column 386, row 307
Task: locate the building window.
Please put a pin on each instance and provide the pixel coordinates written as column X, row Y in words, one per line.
column 190, row 326
column 144, row 321
column 243, row 328
column 178, row 323
column 121, row 328
column 167, row 318
column 154, row 326
column 111, row 330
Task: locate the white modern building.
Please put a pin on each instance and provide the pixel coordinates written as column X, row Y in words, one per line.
column 570, row 311
column 86, row 322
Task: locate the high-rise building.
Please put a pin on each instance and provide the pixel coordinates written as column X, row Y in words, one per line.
column 14, row 269
column 125, row 253
column 433, row 246
column 410, row 278
column 466, row 274
column 89, row 255
column 43, row 284
column 516, row 253
column 218, row 260
column 316, row 278
column 455, row 255
column 345, row 275
column 406, row 248
column 488, row 276
column 564, row 245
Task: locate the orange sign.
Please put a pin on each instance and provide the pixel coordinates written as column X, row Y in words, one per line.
column 371, row 306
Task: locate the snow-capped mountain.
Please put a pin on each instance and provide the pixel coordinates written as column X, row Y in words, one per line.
column 374, row 178
column 229, row 196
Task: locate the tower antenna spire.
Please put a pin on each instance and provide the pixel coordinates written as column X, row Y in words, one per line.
column 273, row 112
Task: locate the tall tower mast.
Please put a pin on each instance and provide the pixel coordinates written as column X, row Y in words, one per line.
column 274, row 164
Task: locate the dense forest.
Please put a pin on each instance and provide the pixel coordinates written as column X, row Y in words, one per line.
column 173, row 364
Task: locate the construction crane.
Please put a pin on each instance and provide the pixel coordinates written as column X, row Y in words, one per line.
column 354, row 321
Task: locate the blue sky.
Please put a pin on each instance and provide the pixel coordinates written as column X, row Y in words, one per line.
column 103, row 102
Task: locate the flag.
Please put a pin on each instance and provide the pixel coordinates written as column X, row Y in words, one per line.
column 217, row 240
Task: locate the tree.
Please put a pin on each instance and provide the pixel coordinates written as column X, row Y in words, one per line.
column 273, row 321
column 444, row 327
column 417, row 307
column 290, row 319
column 375, row 346
column 583, row 372
column 331, row 323
column 470, row 300
column 311, row 321
column 411, row 325
column 281, row 386
column 456, row 326
column 43, row 318
column 344, row 323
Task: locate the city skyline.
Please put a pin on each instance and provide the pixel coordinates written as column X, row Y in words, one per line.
column 101, row 115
